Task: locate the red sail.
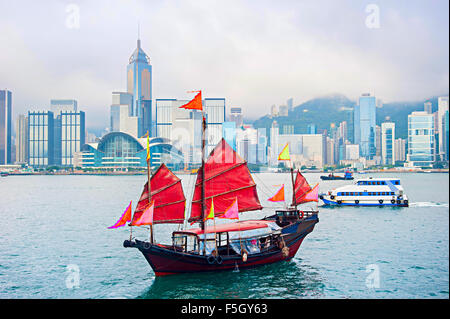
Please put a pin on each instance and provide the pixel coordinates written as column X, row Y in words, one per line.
column 168, row 195
column 301, row 188
column 227, row 178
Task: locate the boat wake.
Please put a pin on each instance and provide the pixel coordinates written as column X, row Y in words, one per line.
column 428, row 204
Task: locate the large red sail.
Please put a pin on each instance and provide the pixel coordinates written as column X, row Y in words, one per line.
column 301, row 188
column 227, row 178
column 167, row 193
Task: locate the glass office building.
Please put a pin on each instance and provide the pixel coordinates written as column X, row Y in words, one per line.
column 365, row 125
column 139, row 84
column 41, row 132
column 421, row 144
column 5, row 126
column 388, row 143
column 72, row 135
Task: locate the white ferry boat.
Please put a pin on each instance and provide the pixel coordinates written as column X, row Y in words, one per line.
column 368, row 192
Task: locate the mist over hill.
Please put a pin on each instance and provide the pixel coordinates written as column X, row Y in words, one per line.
column 335, row 108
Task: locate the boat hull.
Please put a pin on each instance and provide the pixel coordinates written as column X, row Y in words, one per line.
column 166, row 261
column 330, row 202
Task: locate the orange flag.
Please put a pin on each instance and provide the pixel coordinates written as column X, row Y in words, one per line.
column 126, row 217
column 146, row 217
column 279, row 196
column 195, row 103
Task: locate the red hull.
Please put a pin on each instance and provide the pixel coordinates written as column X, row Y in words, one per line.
column 165, row 261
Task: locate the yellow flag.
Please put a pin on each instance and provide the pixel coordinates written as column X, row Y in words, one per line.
column 148, row 147
column 284, row 155
column 211, row 211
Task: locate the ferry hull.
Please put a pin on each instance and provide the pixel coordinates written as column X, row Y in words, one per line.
column 165, row 261
column 363, row 203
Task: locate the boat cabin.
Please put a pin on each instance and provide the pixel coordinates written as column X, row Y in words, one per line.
column 253, row 236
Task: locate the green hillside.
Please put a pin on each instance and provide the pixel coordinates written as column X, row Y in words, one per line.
column 336, row 108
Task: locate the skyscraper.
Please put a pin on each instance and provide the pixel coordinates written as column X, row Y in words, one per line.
column 236, row 116
column 442, row 108
column 290, row 104
column 365, row 125
column 58, row 106
column 41, row 139
column 72, row 136
column 22, row 139
column 427, row 107
column 421, row 150
column 139, row 84
column 5, row 126
column 388, row 143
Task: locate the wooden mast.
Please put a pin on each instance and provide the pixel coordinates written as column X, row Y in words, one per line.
column 202, row 221
column 294, row 201
column 149, row 185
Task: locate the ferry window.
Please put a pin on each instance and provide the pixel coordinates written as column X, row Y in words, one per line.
column 351, row 194
column 360, row 193
column 383, row 193
column 379, row 194
column 397, row 182
column 383, row 183
column 378, row 183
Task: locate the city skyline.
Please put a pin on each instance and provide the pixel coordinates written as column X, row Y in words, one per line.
column 282, row 47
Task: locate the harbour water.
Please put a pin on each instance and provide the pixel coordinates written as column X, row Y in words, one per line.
column 54, row 243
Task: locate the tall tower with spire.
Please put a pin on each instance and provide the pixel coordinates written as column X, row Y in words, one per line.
column 139, row 84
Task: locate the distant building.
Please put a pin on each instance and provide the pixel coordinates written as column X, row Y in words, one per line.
column 5, row 127
column 311, row 129
column 388, row 143
column 273, row 142
column 139, row 85
column 288, row 129
column 378, row 140
column 421, row 149
column 283, row 111
column 236, row 116
column 427, row 107
column 229, row 133
column 400, row 150
column 442, row 108
column 72, row 136
column 22, row 139
column 274, row 111
column 445, row 128
column 58, row 106
column 365, row 125
column 307, row 149
column 41, row 141
column 351, row 151
column 290, row 104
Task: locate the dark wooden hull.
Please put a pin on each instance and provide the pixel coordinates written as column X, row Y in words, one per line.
column 166, row 261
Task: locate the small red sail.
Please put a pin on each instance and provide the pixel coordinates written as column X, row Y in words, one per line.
column 301, row 188
column 227, row 178
column 167, row 195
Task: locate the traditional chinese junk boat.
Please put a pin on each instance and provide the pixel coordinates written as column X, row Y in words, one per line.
column 224, row 187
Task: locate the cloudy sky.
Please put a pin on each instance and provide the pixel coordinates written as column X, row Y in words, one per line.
column 253, row 53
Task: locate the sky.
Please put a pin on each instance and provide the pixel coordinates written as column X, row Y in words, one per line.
column 253, row 53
